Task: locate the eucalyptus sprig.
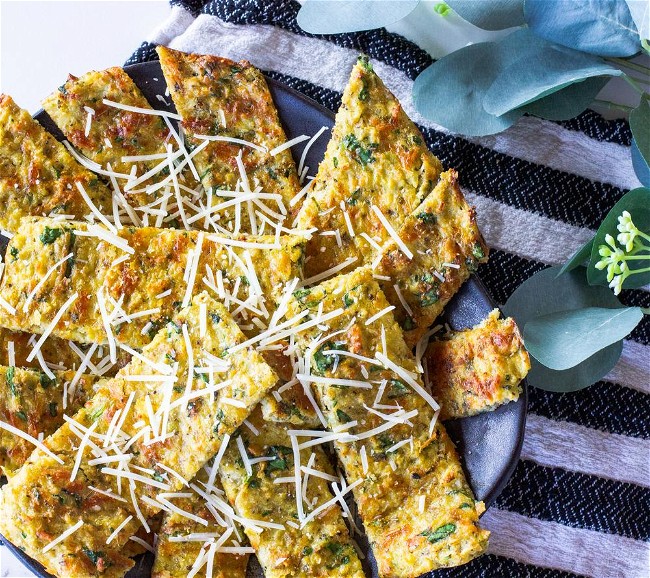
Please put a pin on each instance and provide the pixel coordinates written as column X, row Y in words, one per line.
column 573, row 324
column 559, row 57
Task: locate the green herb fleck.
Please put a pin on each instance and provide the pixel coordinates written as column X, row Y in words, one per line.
column 93, row 555
column 408, row 323
column 63, row 90
column 363, row 93
column 325, row 362
column 335, row 162
column 96, row 413
column 397, row 389
column 364, row 61
column 347, row 300
column 477, row 251
column 301, row 294
column 14, row 254
column 10, row 380
column 352, row 200
column 156, row 476
column 342, row 416
column 440, row 533
column 48, row 236
column 279, row 462
column 337, row 550
column 363, row 155
column 215, row 318
column 428, row 218
column 429, row 297
column 307, row 551
column 46, row 381
column 21, row 415
column 53, row 409
column 385, row 441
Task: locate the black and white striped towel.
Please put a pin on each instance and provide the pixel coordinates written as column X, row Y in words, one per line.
column 579, row 501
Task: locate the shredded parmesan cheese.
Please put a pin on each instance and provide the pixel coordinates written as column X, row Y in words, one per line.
column 63, row 536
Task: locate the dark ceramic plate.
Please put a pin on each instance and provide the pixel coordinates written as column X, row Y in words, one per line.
column 489, row 444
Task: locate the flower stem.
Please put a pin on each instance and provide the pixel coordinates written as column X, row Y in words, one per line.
column 645, row 45
column 635, row 257
column 610, row 104
column 646, row 237
column 628, row 64
column 634, row 84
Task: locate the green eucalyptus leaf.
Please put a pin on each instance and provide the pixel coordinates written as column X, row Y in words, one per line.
column 564, row 339
column 450, row 91
column 640, row 127
column 604, row 28
column 568, row 102
column 534, row 76
column 339, row 16
column 640, row 11
column 640, row 166
column 580, row 257
column 490, row 14
column 545, row 293
column 637, row 203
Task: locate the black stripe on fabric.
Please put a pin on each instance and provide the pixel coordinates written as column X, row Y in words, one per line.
column 578, row 500
column 595, row 126
column 491, row 566
column 144, row 53
column 604, row 406
column 525, row 185
column 518, row 269
column 388, row 47
column 522, row 184
column 194, row 7
column 379, row 44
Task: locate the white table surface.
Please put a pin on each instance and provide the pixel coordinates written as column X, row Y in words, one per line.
column 42, row 41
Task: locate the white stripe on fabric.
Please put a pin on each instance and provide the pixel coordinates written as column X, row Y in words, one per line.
column 632, row 367
column 526, row 234
column 553, row 545
column 589, row 451
column 175, row 24
column 566, row 150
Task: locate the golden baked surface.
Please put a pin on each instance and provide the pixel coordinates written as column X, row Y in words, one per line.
column 407, row 458
column 227, row 348
column 447, row 247
column 33, row 402
column 129, row 133
column 145, row 287
column 322, row 547
column 376, row 156
column 166, row 409
column 175, row 559
column 37, row 174
column 58, row 352
column 218, row 97
column 477, row 369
